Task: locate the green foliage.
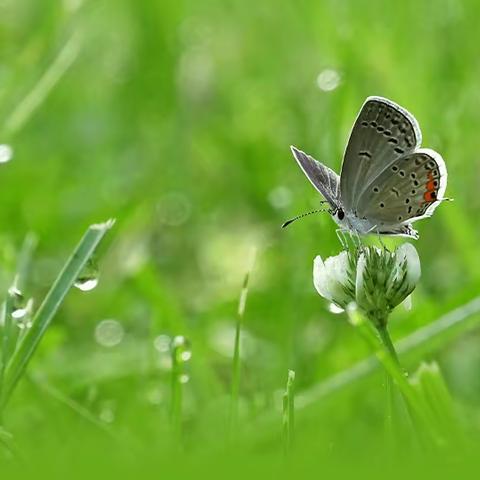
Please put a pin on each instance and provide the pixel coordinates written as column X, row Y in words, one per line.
column 176, row 119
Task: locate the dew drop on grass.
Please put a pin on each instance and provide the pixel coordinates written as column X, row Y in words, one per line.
column 109, row 333
column 184, row 378
column 19, row 305
column 186, row 355
column 6, row 153
column 88, row 278
column 86, row 284
column 179, row 341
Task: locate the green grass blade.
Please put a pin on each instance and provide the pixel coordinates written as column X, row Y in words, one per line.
column 45, row 84
column 235, row 389
column 18, row 363
column 288, row 418
column 7, row 337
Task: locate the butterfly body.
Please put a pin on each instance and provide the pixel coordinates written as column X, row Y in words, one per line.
column 387, row 181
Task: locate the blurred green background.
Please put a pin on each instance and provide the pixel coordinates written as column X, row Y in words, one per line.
column 175, row 117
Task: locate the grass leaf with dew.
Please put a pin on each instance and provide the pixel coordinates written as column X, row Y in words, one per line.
column 65, row 280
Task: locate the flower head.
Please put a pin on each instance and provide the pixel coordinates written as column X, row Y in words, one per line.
column 377, row 280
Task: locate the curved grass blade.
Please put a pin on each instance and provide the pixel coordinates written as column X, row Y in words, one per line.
column 44, row 315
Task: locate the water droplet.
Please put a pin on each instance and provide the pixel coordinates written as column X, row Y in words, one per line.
column 162, row 343
column 179, row 341
column 107, row 415
column 88, row 278
column 328, row 80
column 19, row 313
column 334, row 308
column 109, row 333
column 86, row 284
column 186, row 355
column 174, row 209
column 280, row 197
column 184, row 378
column 25, row 324
column 18, row 303
column 6, row 153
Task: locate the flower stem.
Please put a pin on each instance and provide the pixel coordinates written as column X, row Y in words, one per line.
column 389, row 385
column 387, row 341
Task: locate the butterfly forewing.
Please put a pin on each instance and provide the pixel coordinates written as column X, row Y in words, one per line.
column 410, row 188
column 325, row 180
column 382, row 133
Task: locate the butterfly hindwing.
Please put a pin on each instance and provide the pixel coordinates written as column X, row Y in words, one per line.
column 325, row 180
column 408, row 189
column 382, row 133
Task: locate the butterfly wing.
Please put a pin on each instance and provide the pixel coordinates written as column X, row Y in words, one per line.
column 407, row 190
column 383, row 132
column 325, row 180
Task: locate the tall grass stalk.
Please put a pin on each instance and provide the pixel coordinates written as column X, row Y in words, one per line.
column 288, row 418
column 16, row 366
column 236, row 365
column 177, row 387
column 45, row 84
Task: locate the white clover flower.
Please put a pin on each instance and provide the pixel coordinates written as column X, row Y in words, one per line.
column 333, row 278
column 385, row 279
column 377, row 280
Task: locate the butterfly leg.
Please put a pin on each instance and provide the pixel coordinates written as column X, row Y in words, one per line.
column 356, row 240
column 380, row 240
column 342, row 238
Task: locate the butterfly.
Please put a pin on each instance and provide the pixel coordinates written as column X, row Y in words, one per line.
column 387, row 181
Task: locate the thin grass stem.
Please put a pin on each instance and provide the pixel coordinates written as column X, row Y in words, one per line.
column 45, row 84
column 288, row 417
column 176, row 388
column 236, row 364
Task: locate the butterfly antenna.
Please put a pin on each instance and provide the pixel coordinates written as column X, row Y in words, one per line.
column 288, row 222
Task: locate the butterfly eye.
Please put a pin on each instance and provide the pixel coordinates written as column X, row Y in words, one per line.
column 376, row 189
column 341, row 214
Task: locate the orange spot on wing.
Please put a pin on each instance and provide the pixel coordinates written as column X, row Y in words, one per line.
column 430, row 185
column 429, row 196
